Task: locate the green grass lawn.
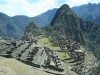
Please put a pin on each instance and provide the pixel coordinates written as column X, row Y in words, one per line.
column 62, row 55
column 18, row 68
column 45, row 42
column 67, row 68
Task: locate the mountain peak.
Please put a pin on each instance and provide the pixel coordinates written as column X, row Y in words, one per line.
column 33, row 29
column 67, row 22
column 30, row 27
column 65, row 7
column 63, row 13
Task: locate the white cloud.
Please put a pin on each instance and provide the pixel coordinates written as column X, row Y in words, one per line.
column 80, row 2
column 39, row 7
column 23, row 7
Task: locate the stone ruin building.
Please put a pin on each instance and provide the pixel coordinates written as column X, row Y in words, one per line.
column 83, row 58
column 29, row 53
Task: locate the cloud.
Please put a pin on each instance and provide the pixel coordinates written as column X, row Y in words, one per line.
column 59, row 2
column 23, row 7
column 80, row 2
column 32, row 8
column 12, row 7
column 39, row 7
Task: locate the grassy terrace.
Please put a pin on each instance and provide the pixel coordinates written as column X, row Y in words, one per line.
column 45, row 42
column 62, row 55
column 67, row 69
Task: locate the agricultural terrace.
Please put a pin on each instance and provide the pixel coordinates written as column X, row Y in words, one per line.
column 45, row 42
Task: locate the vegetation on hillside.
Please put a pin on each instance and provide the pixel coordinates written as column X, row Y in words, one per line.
column 32, row 28
column 96, row 70
column 88, row 11
column 8, row 28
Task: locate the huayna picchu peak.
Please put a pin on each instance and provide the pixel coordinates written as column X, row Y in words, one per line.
column 67, row 22
column 65, row 7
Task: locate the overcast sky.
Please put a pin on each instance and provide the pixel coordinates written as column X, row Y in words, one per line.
column 35, row 7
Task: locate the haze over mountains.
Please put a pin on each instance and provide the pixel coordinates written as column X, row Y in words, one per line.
column 14, row 27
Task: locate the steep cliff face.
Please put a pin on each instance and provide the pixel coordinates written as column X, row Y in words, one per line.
column 91, row 33
column 67, row 22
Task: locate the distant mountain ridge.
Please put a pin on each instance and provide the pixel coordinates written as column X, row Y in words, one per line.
column 14, row 27
column 88, row 12
column 45, row 18
column 8, row 28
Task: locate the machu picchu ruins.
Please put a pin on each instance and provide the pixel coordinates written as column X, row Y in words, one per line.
column 75, row 56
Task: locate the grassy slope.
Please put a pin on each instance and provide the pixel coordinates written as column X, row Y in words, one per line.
column 18, row 68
